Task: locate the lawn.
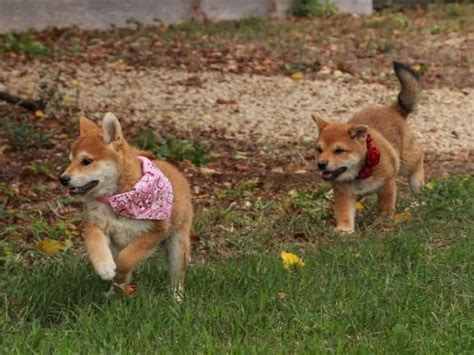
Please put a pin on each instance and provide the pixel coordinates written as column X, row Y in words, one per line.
column 405, row 287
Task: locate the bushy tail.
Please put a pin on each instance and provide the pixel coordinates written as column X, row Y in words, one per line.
column 410, row 88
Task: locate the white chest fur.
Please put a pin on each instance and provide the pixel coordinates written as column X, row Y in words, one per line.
column 120, row 230
column 363, row 187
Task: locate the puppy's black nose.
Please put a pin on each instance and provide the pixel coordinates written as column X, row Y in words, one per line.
column 322, row 165
column 64, row 179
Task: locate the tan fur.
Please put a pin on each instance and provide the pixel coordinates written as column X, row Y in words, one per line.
column 116, row 244
column 400, row 153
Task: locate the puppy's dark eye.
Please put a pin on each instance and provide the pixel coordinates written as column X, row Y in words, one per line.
column 339, row 151
column 86, row 161
column 319, row 150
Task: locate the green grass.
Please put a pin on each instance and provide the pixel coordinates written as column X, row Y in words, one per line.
column 23, row 135
column 409, row 289
column 313, row 8
column 23, row 43
column 173, row 149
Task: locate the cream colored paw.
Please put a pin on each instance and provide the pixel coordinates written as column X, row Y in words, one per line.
column 178, row 294
column 416, row 184
column 113, row 287
column 344, row 230
column 106, row 270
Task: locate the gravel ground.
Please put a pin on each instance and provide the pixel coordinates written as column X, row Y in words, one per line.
column 266, row 109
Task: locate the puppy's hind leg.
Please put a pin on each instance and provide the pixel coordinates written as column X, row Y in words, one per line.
column 416, row 179
column 178, row 252
column 412, row 164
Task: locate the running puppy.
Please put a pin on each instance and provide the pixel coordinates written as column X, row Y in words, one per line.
column 133, row 203
column 366, row 154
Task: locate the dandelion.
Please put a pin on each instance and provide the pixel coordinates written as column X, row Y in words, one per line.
column 290, row 259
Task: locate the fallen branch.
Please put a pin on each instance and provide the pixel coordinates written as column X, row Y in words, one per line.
column 30, row 105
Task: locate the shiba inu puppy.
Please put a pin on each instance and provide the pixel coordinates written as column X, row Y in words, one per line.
column 366, row 154
column 133, row 202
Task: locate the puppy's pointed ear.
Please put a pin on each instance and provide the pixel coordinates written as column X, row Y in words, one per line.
column 111, row 129
column 87, row 126
column 321, row 123
column 358, row 131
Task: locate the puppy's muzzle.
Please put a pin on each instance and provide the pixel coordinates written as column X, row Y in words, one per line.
column 322, row 165
column 64, row 180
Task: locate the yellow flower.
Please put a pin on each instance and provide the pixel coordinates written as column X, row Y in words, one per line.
column 290, row 259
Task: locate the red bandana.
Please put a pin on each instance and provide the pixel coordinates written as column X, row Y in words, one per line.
column 372, row 159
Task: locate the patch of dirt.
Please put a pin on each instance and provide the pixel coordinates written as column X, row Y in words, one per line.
column 269, row 110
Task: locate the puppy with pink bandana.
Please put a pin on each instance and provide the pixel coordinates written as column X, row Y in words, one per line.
column 133, row 203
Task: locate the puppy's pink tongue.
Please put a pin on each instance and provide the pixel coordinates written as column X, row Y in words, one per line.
column 327, row 175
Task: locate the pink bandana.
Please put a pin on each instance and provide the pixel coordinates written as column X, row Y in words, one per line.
column 150, row 198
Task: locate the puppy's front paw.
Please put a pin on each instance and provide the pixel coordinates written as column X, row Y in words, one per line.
column 178, row 293
column 106, row 269
column 344, row 230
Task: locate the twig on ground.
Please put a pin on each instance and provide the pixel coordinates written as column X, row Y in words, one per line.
column 28, row 104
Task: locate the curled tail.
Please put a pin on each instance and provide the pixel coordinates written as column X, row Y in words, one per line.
column 410, row 88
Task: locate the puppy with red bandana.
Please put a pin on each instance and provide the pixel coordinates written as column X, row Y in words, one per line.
column 133, row 203
column 366, row 154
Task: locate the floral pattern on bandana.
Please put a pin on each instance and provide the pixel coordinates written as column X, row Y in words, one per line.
column 150, row 198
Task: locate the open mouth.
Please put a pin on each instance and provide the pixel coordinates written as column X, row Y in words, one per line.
column 83, row 189
column 332, row 175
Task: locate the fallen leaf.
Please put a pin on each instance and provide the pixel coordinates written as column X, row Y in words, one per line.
column 359, row 206
column 4, row 148
column 15, row 187
column 281, row 295
column 420, row 68
column 403, row 217
column 120, row 65
column 207, row 171
column 297, row 76
column 51, row 246
column 240, row 167
column 332, row 47
column 39, row 114
column 4, row 159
